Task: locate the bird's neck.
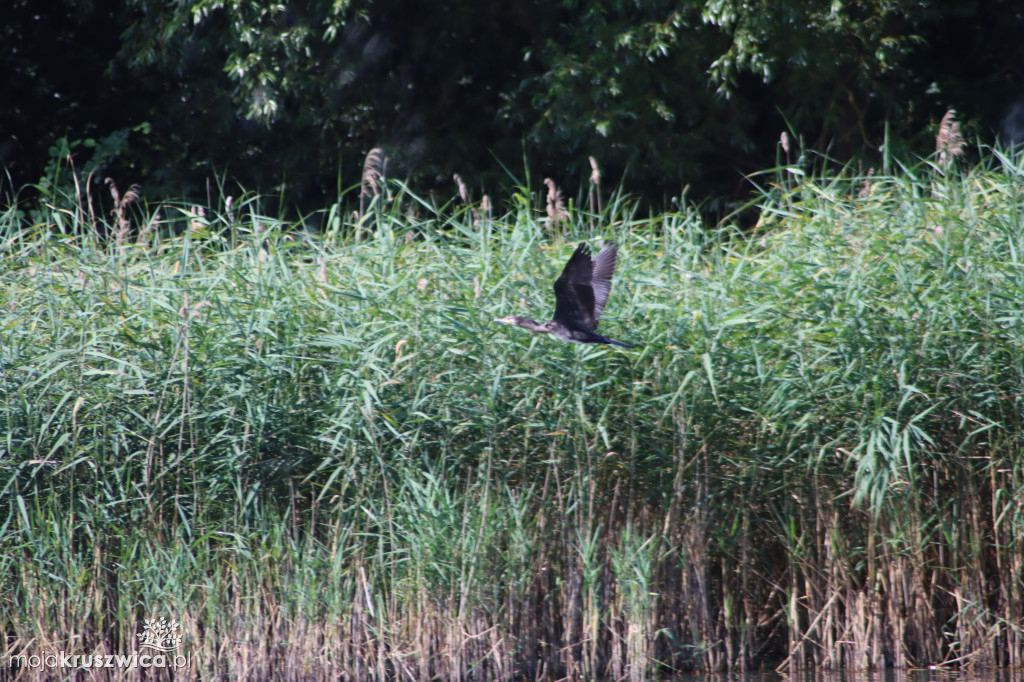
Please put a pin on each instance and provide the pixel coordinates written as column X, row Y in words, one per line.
column 534, row 326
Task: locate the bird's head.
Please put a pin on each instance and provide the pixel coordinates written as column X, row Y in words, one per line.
column 526, row 323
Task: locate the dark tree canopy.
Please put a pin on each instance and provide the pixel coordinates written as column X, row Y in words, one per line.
column 288, row 97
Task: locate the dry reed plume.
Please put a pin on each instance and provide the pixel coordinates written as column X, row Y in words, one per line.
column 949, row 143
column 555, row 206
column 595, row 187
column 121, row 222
column 373, row 172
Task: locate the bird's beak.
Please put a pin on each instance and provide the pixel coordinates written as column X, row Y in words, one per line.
column 503, row 320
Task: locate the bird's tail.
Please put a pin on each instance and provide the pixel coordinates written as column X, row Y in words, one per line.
column 617, row 343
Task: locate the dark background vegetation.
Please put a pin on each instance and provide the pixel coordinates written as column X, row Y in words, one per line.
column 663, row 94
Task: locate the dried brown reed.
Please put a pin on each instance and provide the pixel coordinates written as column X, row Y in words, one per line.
column 373, row 173
column 122, row 226
column 555, row 206
column 949, row 142
column 594, row 191
column 463, row 190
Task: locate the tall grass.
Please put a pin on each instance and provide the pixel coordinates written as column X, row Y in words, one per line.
column 317, row 453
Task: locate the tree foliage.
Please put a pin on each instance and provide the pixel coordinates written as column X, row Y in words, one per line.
column 289, row 96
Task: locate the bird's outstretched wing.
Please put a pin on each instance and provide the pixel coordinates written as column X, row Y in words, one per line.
column 578, row 302
column 601, row 277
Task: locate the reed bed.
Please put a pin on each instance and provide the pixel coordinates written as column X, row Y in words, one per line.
column 315, row 451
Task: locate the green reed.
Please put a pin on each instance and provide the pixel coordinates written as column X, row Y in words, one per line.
column 315, row 450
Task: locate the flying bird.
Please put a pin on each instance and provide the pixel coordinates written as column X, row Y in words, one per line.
column 581, row 292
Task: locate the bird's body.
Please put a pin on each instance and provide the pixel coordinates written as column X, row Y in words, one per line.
column 581, row 292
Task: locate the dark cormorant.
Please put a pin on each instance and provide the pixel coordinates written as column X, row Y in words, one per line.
column 581, row 292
